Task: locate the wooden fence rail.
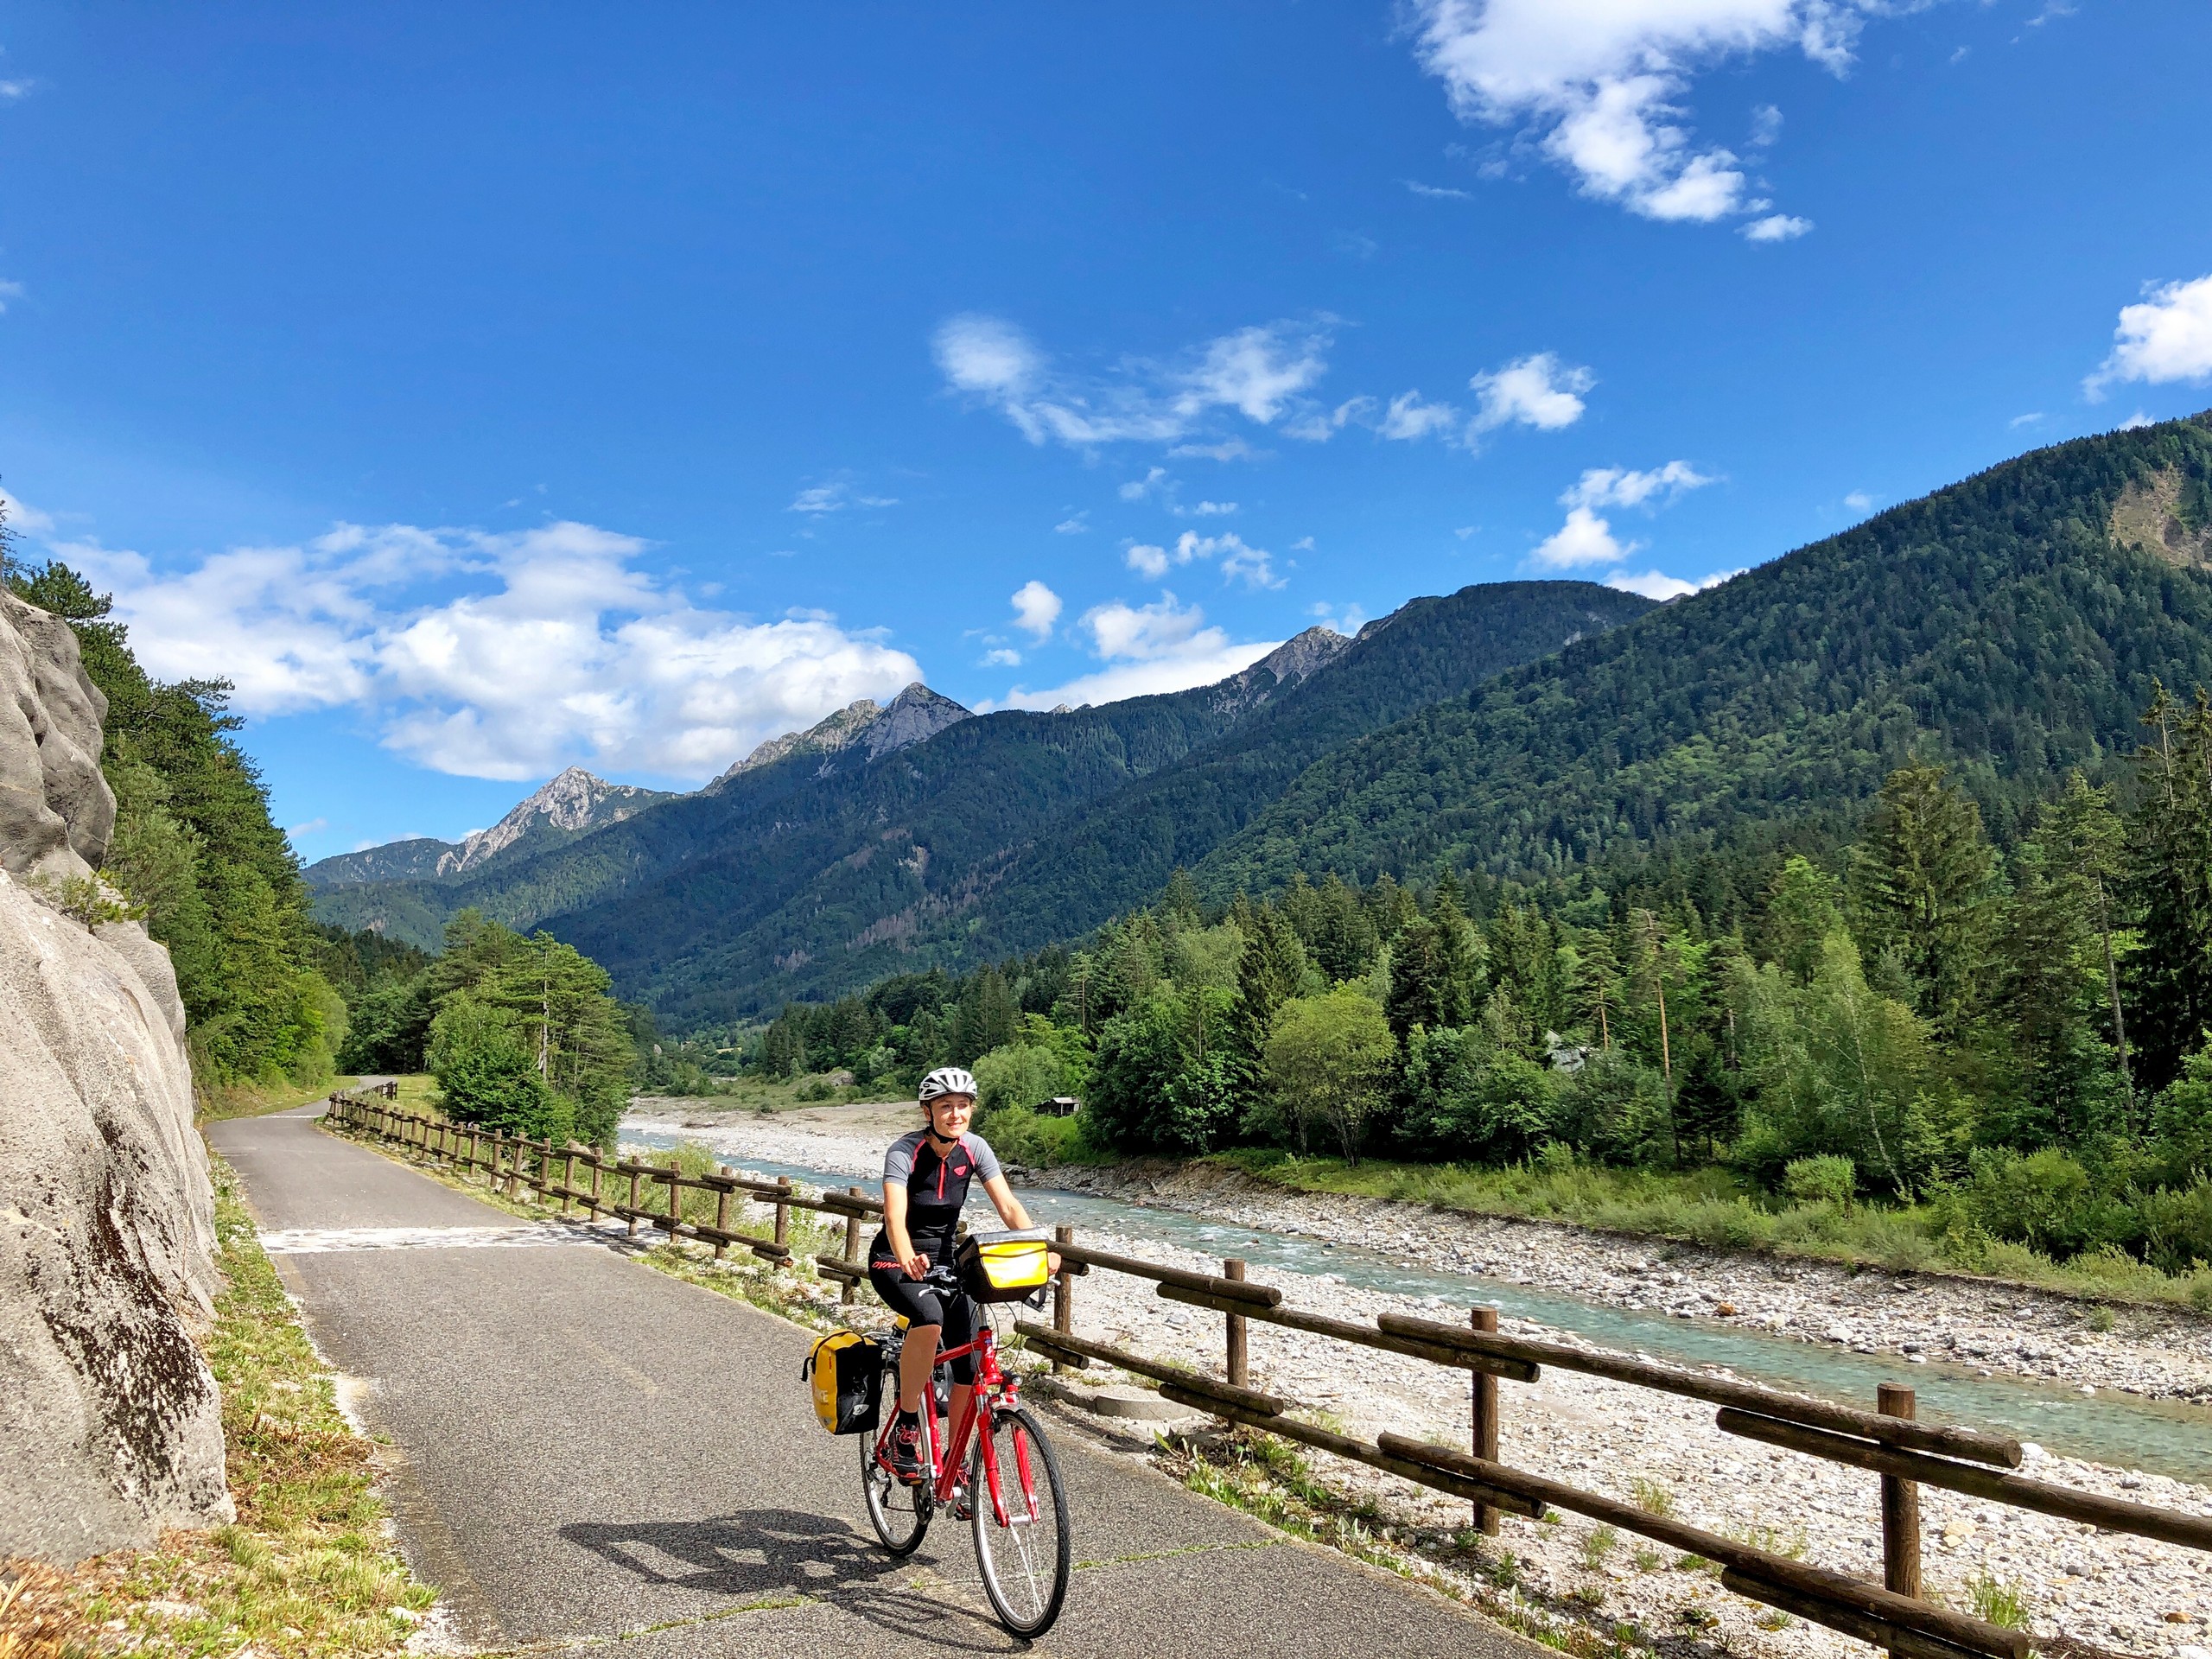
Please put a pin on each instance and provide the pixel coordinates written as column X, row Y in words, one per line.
column 1888, row 1442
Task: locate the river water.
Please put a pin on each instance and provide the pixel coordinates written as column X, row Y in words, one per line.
column 2110, row 1427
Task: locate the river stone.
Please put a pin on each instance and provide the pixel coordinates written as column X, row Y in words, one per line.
column 56, row 811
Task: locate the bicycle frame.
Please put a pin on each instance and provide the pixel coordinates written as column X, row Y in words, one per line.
column 993, row 1389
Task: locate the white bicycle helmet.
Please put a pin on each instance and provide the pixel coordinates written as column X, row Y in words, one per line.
column 948, row 1080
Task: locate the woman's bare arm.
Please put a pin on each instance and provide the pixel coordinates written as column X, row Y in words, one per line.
column 895, row 1228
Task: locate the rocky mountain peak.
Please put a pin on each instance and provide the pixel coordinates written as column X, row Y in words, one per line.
column 1285, row 665
column 915, row 716
column 826, row 736
column 574, row 801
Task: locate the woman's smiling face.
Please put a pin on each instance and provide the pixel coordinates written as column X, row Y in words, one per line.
column 949, row 1116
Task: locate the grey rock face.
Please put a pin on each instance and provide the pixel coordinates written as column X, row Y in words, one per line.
column 1285, row 666
column 826, row 736
column 56, row 811
column 110, row 1422
column 915, row 716
column 574, row 801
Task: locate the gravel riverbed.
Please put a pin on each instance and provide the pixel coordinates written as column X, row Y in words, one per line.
column 2117, row 1593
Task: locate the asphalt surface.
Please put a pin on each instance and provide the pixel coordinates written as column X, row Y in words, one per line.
column 585, row 1448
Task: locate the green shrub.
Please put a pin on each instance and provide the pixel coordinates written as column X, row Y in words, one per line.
column 1829, row 1178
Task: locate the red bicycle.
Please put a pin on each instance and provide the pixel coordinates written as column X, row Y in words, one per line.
column 1011, row 1493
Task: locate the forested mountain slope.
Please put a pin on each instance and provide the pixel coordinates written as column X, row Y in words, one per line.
column 930, row 859
column 2011, row 624
column 1119, row 852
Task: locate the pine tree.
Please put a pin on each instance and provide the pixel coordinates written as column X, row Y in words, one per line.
column 2171, row 833
column 1921, row 878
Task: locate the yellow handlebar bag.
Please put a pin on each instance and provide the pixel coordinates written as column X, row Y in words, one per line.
column 1004, row 1267
column 847, row 1369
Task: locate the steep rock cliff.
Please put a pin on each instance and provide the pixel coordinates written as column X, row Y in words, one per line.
column 110, row 1422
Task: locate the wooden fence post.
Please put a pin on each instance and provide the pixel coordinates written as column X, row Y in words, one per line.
column 721, row 1212
column 1486, row 1418
column 1900, row 1508
column 848, row 1291
column 568, row 1177
column 675, row 1197
column 1062, row 1291
column 637, row 1168
column 595, row 1165
column 514, row 1169
column 784, row 1209
column 1239, row 1370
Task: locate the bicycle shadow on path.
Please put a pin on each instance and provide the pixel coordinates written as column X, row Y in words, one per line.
column 760, row 1557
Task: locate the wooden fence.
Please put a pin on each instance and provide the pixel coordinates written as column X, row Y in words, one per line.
column 1887, row 1442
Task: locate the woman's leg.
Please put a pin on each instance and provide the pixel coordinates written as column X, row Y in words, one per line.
column 917, row 1358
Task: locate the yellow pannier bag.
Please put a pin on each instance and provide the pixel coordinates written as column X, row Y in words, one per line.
column 1004, row 1267
column 847, row 1369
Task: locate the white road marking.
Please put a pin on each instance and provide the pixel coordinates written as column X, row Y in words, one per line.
column 317, row 1241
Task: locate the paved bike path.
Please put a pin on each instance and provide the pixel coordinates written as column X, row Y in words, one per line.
column 590, row 1449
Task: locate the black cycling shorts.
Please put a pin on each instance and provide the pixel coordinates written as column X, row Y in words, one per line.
column 923, row 1304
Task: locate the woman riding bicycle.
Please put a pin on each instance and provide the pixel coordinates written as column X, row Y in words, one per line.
column 925, row 1177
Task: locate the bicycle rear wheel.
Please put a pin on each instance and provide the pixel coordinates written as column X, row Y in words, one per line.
column 899, row 1513
column 1022, row 1543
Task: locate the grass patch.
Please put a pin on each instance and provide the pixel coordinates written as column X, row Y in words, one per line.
column 2002, row 1603
column 1712, row 1207
column 308, row 1569
column 1652, row 1497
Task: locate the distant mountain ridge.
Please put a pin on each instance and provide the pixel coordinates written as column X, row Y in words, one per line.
column 915, row 716
column 564, row 807
column 816, row 866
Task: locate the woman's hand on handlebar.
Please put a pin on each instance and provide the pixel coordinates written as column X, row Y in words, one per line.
column 917, row 1266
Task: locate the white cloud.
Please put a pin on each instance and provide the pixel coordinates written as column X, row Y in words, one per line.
column 2165, row 337
column 2028, row 419
column 1073, row 526
column 1347, row 621
column 1438, row 192
column 1227, row 450
column 1655, row 584
column 558, row 649
column 1622, row 486
column 2136, row 421
column 296, row 830
column 1137, row 488
column 1601, row 84
column 1858, row 501
column 1003, row 657
column 11, row 90
column 1776, row 227
column 1239, row 562
column 1211, row 510
column 819, row 499
column 1408, row 419
column 1036, row 608
column 1257, row 372
column 1147, row 649
column 9, row 291
column 1584, row 539
column 1766, row 125
column 1538, row 390
column 22, row 517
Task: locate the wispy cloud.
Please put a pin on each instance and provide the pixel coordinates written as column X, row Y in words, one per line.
column 2028, row 419
column 1438, row 192
column 9, row 292
column 1775, row 227
column 1600, row 87
column 1237, row 561
column 817, row 499
column 1259, row 373
column 2166, row 336
column 1146, row 649
column 558, row 647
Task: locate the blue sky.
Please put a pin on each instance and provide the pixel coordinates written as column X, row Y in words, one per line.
column 485, row 390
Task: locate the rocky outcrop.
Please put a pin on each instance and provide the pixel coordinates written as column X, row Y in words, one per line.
column 915, row 716
column 110, row 1422
column 55, row 809
column 572, row 802
column 1288, row 664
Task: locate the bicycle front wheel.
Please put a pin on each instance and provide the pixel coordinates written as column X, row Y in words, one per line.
column 1022, row 1543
